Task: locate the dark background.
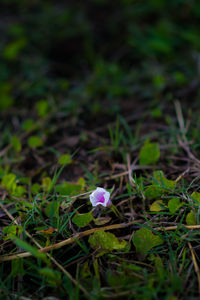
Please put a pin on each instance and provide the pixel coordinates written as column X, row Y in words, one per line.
column 98, row 50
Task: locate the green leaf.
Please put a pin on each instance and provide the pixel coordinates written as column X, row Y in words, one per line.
column 159, row 81
column 12, row 231
column 106, row 241
column 196, row 196
column 35, row 188
column 65, row 159
column 6, row 101
column 9, row 182
column 12, row 50
column 19, row 191
column 42, row 108
column 144, row 240
column 174, row 204
column 156, row 113
column 81, row 181
column 52, row 209
column 24, row 180
column 35, row 141
column 82, row 220
column 159, row 176
column 68, row 188
column 46, row 183
column 154, row 191
column 191, row 218
column 159, row 188
column 16, row 143
column 157, row 205
column 27, row 124
column 149, row 153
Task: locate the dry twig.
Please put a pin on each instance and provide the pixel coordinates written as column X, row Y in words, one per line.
column 196, row 267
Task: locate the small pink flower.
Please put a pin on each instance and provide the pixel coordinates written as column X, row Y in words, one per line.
column 100, row 196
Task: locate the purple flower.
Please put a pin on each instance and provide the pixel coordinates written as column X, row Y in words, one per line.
column 100, row 196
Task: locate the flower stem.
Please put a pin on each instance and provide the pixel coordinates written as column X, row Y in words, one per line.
column 116, row 211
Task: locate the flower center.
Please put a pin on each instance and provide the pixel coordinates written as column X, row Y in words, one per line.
column 100, row 197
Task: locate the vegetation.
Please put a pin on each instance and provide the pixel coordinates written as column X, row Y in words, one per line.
column 99, row 94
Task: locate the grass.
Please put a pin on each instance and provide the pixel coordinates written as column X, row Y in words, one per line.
column 38, row 209
column 99, row 95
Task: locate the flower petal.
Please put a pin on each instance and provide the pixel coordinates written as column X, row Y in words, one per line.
column 100, row 196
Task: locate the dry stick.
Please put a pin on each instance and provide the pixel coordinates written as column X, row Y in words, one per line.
column 65, row 242
column 180, row 117
column 116, row 175
column 182, row 175
column 196, row 267
column 134, row 168
column 69, row 276
column 50, row 257
column 83, row 234
column 130, row 168
column 185, row 146
column 175, row 227
column 72, row 197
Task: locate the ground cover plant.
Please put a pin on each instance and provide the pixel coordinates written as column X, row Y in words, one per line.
column 99, row 104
